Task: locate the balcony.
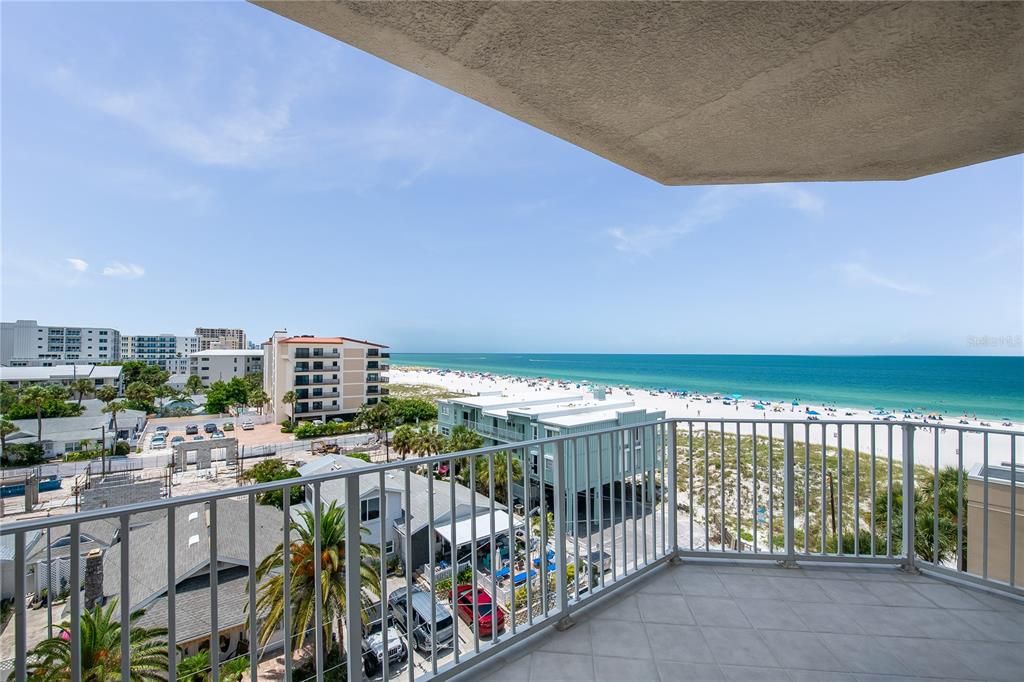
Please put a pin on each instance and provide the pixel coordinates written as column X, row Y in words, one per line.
column 306, row 353
column 306, row 367
column 495, row 432
column 768, row 588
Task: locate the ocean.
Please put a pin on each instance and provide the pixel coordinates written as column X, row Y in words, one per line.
column 991, row 387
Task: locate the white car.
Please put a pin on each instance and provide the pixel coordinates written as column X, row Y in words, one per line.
column 248, row 425
column 158, row 442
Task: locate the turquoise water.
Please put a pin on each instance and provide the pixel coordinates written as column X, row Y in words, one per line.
column 992, row 387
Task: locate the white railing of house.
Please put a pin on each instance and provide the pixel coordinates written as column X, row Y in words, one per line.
column 494, row 431
column 640, row 512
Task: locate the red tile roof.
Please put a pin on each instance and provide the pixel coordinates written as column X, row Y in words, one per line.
column 328, row 339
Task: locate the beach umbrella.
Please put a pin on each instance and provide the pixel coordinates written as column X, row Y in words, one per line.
column 795, row 403
column 812, row 412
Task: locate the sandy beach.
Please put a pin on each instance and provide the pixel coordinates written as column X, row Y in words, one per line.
column 713, row 406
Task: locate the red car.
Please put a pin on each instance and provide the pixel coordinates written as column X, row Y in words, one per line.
column 485, row 606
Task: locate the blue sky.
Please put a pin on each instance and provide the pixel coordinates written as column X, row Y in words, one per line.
column 173, row 165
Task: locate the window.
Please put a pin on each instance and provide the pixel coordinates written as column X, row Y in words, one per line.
column 389, row 547
column 369, row 509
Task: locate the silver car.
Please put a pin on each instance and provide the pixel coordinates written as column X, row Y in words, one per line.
column 423, row 625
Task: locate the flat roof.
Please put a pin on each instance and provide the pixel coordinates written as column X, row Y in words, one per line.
column 39, row 373
column 504, row 401
column 328, row 339
column 226, row 351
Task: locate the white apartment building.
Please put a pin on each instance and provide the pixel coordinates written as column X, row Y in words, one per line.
column 219, row 364
column 220, row 337
column 26, row 343
column 331, row 376
column 168, row 351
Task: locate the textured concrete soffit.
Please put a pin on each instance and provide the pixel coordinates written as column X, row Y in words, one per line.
column 722, row 92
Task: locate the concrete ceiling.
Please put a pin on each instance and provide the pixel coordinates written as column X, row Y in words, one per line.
column 722, row 92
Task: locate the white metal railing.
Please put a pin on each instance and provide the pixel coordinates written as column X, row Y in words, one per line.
column 782, row 490
column 494, row 431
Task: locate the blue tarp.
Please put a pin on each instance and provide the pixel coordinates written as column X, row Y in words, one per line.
column 521, row 577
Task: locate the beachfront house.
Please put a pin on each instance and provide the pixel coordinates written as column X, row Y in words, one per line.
column 502, row 419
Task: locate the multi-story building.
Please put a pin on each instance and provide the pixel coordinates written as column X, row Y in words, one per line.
column 168, row 351
column 26, row 343
column 501, row 419
column 218, row 364
column 219, row 337
column 331, row 376
column 995, row 495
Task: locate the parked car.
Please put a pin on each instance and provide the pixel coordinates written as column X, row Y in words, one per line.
column 488, row 623
column 216, row 434
column 373, row 650
column 418, row 605
column 177, row 439
column 210, row 428
column 191, row 429
column 158, row 442
column 229, row 427
column 162, row 430
column 248, row 425
column 197, row 437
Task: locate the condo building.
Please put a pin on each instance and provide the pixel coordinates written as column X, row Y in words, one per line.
column 220, row 337
column 26, row 343
column 167, row 351
column 331, row 376
column 219, row 364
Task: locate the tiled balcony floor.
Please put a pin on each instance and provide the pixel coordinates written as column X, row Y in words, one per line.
column 737, row 622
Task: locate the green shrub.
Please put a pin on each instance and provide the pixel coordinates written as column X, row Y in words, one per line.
column 359, row 455
column 315, row 430
column 275, row 470
column 23, row 454
column 287, row 426
column 121, row 448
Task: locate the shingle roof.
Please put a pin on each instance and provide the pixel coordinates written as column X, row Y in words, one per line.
column 192, row 605
column 148, row 547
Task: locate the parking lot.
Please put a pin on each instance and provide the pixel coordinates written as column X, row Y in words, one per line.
column 259, row 434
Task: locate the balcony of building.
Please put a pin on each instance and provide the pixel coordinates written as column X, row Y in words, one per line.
column 305, row 353
column 304, row 367
column 734, row 550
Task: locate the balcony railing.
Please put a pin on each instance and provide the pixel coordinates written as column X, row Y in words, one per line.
column 495, row 432
column 305, row 354
column 772, row 490
column 302, row 368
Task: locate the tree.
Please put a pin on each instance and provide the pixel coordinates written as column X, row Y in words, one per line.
column 141, row 395
column 289, row 398
column 82, row 387
column 501, row 475
column 112, row 409
column 411, row 410
column 404, row 440
column 50, row 660
column 8, row 399
column 6, row 428
column 377, row 418
column 106, row 393
column 36, row 398
column 136, row 370
column 271, row 600
column 428, row 441
column 194, row 385
column 275, row 470
column 258, row 398
column 221, row 396
column 924, row 516
column 463, row 438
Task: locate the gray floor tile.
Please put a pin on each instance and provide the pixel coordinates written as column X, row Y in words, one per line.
column 930, row 657
column 995, row 661
column 820, row 676
column 625, row 640
column 699, row 583
column 664, row 608
column 675, row 671
column 910, row 621
column 947, row 596
column 847, row 592
column 551, row 667
column 796, row 590
column 678, row 643
column 623, row 608
column 736, row 646
column 862, row 654
column 742, row 673
column 575, row 640
column 827, row 618
column 895, row 593
column 744, row 586
column 771, row 614
column 996, row 626
column 800, row 650
column 662, row 582
column 514, row 671
column 621, row 669
column 998, row 602
column 715, row 612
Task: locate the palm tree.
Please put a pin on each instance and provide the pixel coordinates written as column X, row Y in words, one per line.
column 193, row 385
column 428, row 441
column 404, row 440
column 289, row 398
column 82, row 387
column 112, row 409
column 463, row 438
column 50, row 660
column 501, row 475
column 271, row 600
column 7, row 427
column 106, row 393
column 259, row 399
column 36, row 397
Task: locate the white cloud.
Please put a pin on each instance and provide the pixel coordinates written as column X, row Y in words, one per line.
column 124, row 270
column 712, row 206
column 860, row 275
column 77, row 264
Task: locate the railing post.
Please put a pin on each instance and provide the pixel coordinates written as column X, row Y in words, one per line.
column 673, row 492
column 353, row 604
column 909, row 521
column 789, row 497
column 564, row 621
